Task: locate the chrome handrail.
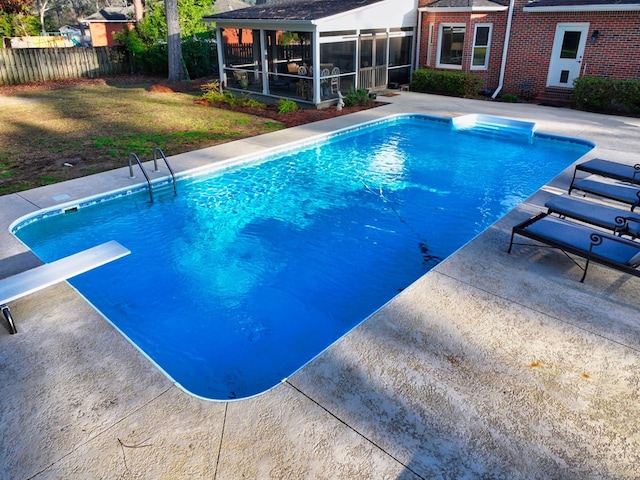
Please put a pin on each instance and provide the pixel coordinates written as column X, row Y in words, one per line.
column 155, row 165
column 144, row 172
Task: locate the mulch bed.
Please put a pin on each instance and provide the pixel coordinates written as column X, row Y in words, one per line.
column 301, row 116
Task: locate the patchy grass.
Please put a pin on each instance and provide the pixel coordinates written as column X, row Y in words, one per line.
column 95, row 128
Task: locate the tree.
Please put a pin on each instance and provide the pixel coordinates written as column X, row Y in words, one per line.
column 174, row 46
column 15, row 20
column 42, row 9
column 15, row 6
column 137, row 7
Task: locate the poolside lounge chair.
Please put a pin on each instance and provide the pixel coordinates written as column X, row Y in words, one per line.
column 37, row 278
column 609, row 169
column 621, row 222
column 618, row 191
column 576, row 239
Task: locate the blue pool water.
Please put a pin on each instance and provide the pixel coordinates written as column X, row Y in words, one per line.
column 251, row 271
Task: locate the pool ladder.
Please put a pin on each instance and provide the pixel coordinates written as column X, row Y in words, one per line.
column 155, row 169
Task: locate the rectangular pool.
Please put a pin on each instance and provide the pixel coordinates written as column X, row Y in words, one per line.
column 252, row 270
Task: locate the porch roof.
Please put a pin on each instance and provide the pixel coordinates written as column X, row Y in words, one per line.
column 465, row 6
column 581, row 5
column 293, row 10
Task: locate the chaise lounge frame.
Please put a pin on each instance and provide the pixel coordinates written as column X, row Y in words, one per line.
column 596, row 238
column 611, row 218
column 609, row 169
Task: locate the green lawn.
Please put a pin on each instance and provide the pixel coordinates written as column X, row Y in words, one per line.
column 95, row 128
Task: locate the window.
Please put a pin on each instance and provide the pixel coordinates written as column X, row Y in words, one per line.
column 451, row 41
column 400, row 59
column 481, row 41
column 400, row 51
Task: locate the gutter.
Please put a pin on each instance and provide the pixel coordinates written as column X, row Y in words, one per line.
column 584, row 8
column 505, row 49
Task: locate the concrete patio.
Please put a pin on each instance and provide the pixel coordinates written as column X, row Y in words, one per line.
column 491, row 366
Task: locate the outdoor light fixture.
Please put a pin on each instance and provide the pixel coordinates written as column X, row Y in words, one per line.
column 595, row 35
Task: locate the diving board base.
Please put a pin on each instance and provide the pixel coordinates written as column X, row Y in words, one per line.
column 37, row 278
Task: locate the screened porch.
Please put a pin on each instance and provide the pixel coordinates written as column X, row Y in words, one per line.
column 314, row 67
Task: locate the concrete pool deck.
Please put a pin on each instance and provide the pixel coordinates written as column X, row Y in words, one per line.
column 490, row 366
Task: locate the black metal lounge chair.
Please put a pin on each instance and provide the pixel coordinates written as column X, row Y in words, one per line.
column 621, row 222
column 618, row 191
column 576, row 239
column 609, row 169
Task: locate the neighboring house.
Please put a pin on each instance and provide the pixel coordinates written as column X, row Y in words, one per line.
column 533, row 49
column 77, row 34
column 309, row 50
column 104, row 24
column 221, row 6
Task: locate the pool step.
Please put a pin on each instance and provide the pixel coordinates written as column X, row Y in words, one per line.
column 493, row 126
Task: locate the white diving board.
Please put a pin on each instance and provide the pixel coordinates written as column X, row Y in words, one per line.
column 44, row 276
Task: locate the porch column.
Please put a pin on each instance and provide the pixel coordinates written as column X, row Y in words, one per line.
column 221, row 59
column 263, row 61
column 315, row 61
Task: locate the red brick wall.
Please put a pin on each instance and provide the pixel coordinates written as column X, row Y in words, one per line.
column 616, row 52
column 497, row 19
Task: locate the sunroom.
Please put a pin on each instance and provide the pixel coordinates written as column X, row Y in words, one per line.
column 312, row 51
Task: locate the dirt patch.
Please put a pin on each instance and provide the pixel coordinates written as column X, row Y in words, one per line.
column 160, row 89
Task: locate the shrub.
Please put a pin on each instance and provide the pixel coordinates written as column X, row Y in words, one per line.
column 509, row 98
column 357, row 98
column 246, row 101
column 152, row 58
column 199, row 54
column 211, row 92
column 445, row 82
column 606, row 95
column 285, row 105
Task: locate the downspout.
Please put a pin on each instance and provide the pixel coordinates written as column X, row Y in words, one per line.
column 418, row 42
column 505, row 49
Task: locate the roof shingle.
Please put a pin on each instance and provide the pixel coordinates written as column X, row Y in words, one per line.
column 294, row 10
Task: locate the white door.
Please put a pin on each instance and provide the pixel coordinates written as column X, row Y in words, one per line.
column 566, row 56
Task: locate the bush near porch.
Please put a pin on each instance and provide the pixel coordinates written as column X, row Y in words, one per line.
column 607, row 95
column 446, row 82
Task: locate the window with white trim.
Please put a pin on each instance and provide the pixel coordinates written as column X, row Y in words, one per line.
column 481, row 44
column 451, row 42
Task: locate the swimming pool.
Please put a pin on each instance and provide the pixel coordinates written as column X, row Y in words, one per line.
column 254, row 269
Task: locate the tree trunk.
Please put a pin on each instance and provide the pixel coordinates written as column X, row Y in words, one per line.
column 174, row 47
column 137, row 7
column 43, row 9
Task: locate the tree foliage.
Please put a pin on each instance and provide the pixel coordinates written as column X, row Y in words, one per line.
column 148, row 43
column 18, row 24
column 15, row 6
column 153, row 27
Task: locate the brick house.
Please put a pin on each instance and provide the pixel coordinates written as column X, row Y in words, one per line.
column 107, row 22
column 533, row 49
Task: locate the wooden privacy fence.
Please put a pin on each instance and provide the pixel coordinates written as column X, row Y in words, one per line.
column 22, row 65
